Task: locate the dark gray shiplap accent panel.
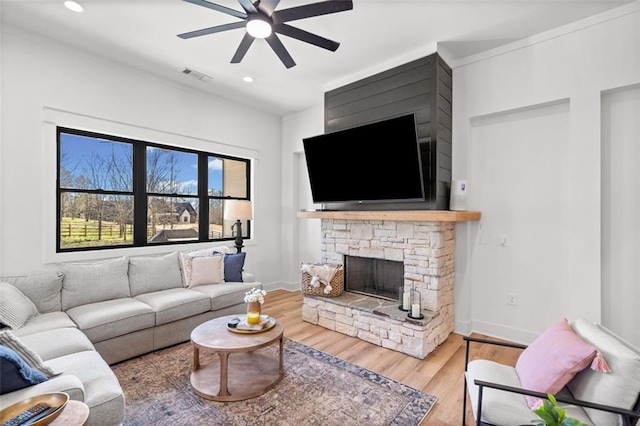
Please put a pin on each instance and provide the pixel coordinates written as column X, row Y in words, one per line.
column 422, row 87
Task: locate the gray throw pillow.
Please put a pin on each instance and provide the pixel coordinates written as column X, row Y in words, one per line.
column 148, row 274
column 15, row 308
column 93, row 282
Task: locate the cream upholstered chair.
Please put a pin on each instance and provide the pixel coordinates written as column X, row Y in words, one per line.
column 499, row 392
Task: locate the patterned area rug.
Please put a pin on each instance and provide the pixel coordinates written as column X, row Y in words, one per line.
column 317, row 389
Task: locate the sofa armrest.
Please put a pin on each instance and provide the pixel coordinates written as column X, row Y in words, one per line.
column 248, row 277
column 567, row 400
column 67, row 383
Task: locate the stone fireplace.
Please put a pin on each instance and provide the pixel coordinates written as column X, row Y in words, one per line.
column 425, row 250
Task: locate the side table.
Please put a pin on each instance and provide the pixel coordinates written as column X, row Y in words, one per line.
column 75, row 413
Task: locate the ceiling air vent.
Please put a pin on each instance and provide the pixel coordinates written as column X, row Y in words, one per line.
column 196, row 74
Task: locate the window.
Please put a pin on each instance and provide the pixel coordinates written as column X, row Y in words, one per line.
column 115, row 192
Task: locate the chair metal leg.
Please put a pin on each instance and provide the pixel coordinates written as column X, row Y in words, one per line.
column 479, row 413
column 464, row 402
column 464, row 395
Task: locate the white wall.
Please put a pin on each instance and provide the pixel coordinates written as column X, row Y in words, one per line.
column 1, row 137
column 44, row 84
column 527, row 137
column 621, row 212
column 300, row 237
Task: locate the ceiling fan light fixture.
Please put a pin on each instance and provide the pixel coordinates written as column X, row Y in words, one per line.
column 73, row 6
column 258, row 27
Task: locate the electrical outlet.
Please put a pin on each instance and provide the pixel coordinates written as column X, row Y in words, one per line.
column 511, row 299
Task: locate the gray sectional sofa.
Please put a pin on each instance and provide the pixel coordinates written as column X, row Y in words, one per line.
column 92, row 315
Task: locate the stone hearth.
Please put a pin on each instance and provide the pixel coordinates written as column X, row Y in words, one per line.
column 426, row 248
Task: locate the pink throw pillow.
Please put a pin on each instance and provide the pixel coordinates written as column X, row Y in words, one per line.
column 552, row 360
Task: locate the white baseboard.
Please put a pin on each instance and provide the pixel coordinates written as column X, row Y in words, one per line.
column 280, row 285
column 503, row 332
column 462, row 327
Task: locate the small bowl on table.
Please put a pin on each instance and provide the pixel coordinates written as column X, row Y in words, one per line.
column 58, row 400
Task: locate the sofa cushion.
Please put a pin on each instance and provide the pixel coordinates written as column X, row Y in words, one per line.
column 15, row 308
column 16, row 374
column 104, row 320
column 207, row 270
column 9, row 340
column 62, row 383
column 44, row 322
column 553, row 359
column 233, row 266
column 42, row 288
column 148, row 274
column 176, row 303
column 619, row 387
column 226, row 294
column 56, row 343
column 85, row 283
column 102, row 391
column 505, row 408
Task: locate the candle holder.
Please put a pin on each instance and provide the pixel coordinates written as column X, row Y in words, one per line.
column 416, row 305
column 404, row 298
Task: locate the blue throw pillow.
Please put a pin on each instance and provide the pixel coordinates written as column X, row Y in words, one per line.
column 233, row 266
column 15, row 373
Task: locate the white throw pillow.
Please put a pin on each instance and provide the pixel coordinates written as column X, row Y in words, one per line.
column 15, row 308
column 8, row 339
column 186, row 259
column 207, row 270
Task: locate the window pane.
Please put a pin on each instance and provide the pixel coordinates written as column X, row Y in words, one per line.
column 92, row 220
column 172, row 219
column 92, row 163
column 227, row 177
column 215, row 219
column 171, row 172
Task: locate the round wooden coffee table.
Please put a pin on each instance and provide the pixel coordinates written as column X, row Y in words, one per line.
column 246, row 374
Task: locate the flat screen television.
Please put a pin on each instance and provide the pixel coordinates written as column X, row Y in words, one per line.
column 377, row 162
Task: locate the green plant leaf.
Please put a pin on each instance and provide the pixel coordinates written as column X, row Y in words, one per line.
column 548, row 418
column 552, row 415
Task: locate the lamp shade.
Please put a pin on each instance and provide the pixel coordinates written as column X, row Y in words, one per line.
column 238, row 210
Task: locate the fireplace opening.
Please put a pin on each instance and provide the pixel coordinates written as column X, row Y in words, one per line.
column 374, row 277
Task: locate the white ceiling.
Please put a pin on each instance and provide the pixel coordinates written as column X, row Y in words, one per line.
column 143, row 34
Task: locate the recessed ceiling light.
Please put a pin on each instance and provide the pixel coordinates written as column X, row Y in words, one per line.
column 73, row 6
column 247, row 79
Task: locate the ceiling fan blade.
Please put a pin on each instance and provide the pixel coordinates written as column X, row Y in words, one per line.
column 219, row 8
column 212, row 30
column 248, row 6
column 280, row 50
column 242, row 49
column 268, row 6
column 306, row 36
column 309, row 10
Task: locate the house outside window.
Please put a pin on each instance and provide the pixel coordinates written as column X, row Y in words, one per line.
column 115, row 192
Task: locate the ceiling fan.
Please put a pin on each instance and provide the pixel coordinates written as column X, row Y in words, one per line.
column 262, row 21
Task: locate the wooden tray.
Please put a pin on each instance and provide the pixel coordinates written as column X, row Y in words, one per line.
column 268, row 326
column 55, row 399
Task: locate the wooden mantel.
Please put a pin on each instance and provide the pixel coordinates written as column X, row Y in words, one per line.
column 401, row 215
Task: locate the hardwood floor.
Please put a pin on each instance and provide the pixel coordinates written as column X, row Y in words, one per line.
column 440, row 374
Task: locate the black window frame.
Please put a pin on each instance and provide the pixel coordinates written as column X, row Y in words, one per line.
column 140, row 194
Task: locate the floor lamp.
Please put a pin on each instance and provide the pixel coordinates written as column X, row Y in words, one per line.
column 238, row 210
